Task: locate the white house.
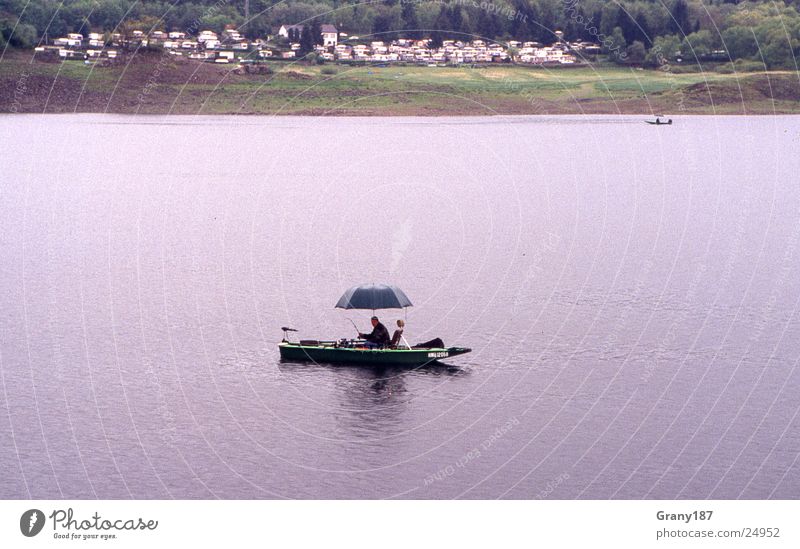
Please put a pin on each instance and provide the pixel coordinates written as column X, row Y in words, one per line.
column 69, row 54
column 207, row 35
column 72, row 40
column 284, row 30
column 330, row 36
column 233, row 34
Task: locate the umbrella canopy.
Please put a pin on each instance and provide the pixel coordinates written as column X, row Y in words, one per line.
column 374, row 296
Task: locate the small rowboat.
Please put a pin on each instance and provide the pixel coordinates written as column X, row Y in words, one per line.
column 331, row 352
column 358, row 351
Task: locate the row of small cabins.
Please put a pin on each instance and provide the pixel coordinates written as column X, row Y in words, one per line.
column 231, row 45
column 451, row 51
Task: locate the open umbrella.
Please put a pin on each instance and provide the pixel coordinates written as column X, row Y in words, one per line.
column 374, row 296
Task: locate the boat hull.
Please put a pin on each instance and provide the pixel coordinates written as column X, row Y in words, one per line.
column 381, row 357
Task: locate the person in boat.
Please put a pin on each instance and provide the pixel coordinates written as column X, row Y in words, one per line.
column 379, row 337
column 398, row 333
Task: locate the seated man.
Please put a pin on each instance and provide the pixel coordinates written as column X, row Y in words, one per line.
column 379, row 337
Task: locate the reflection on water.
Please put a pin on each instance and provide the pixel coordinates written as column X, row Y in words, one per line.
column 370, row 400
column 630, row 297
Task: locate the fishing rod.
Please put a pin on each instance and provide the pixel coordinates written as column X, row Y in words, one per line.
column 354, row 325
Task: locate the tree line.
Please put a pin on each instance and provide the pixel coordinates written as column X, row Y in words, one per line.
column 636, row 31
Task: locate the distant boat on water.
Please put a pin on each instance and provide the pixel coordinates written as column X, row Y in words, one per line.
column 659, row 122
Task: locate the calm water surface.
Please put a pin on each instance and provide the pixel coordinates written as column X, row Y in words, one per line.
column 630, row 293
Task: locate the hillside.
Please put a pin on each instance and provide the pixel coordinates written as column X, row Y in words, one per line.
column 630, row 31
column 162, row 84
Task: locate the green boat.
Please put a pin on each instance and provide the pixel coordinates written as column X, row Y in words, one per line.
column 357, row 351
column 658, row 122
column 337, row 352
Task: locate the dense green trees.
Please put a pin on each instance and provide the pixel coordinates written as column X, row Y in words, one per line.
column 616, row 46
column 636, row 52
column 740, row 42
column 408, row 14
column 679, row 18
column 699, row 44
column 19, row 35
column 665, row 49
column 745, row 29
column 306, row 41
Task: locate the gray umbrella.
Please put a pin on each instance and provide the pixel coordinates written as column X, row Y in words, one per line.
column 374, row 296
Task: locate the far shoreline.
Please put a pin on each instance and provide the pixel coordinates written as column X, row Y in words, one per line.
column 448, row 116
column 163, row 86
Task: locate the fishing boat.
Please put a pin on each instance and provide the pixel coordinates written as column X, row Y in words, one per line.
column 658, row 122
column 356, row 352
column 361, row 351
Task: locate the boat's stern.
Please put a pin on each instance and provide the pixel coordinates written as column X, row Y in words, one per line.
column 455, row 351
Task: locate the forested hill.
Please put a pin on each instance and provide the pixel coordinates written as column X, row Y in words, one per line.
column 766, row 31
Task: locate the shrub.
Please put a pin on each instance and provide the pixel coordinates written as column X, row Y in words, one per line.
column 21, row 36
column 741, row 65
column 744, row 65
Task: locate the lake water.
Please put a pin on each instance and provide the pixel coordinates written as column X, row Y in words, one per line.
column 630, row 293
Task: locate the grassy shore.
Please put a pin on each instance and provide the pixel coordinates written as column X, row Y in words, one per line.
column 162, row 84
